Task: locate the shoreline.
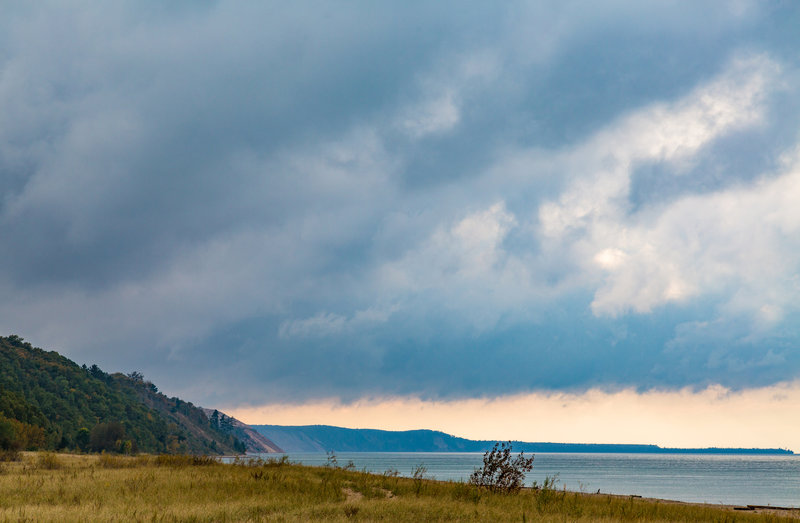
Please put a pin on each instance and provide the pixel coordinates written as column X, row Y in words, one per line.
column 792, row 512
column 714, row 480
column 45, row 486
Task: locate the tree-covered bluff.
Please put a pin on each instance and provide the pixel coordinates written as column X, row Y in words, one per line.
column 48, row 401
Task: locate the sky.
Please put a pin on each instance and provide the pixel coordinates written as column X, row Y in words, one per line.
column 568, row 218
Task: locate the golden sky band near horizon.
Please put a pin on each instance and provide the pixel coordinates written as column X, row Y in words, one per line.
column 715, row 416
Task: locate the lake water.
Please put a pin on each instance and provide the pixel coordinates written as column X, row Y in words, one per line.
column 734, row 480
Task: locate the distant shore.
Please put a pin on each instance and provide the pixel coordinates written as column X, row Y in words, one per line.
column 322, row 438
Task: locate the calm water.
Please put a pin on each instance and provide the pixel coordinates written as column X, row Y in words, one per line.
column 736, row 480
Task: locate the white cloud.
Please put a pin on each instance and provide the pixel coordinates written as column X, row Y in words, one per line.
column 323, row 324
column 330, row 324
column 686, row 247
column 475, row 241
column 633, row 261
column 603, row 166
column 466, row 267
column 434, row 116
column 444, row 93
column 469, row 250
column 744, row 238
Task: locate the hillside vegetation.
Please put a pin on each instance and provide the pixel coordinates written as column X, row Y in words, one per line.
column 49, row 402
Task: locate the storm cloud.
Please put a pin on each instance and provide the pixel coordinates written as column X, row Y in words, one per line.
column 260, row 201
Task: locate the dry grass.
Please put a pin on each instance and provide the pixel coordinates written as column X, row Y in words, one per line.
column 151, row 488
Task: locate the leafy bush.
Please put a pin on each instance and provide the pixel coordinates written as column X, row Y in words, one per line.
column 10, row 455
column 16, row 435
column 184, row 460
column 277, row 462
column 332, row 462
column 107, row 436
column 8, row 435
column 109, row 461
column 240, row 461
column 82, row 439
column 500, row 472
column 48, row 461
column 418, row 475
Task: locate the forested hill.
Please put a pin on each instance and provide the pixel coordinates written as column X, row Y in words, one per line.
column 324, row 438
column 49, row 402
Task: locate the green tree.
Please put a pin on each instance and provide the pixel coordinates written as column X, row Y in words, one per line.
column 500, row 472
column 107, row 436
column 82, row 439
column 8, row 434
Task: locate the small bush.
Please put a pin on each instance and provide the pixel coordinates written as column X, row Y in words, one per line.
column 549, row 483
column 258, row 475
column 10, row 455
column 239, row 461
column 466, row 492
column 184, row 460
column 546, row 493
column 109, row 437
column 203, row 461
column 419, row 476
column 49, row 461
column 108, row 461
column 277, row 462
column 332, row 462
column 500, row 472
column 143, row 460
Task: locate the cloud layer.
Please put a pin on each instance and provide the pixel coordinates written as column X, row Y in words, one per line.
column 298, row 202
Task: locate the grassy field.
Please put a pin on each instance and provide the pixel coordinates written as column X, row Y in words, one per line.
column 57, row 487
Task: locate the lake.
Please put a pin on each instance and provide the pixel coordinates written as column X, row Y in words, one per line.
column 726, row 479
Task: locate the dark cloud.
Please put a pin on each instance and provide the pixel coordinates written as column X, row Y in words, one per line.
column 347, row 200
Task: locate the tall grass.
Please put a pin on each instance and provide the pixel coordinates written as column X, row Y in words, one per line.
column 48, row 461
column 91, row 488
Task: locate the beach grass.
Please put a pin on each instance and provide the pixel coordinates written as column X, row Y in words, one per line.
column 59, row 487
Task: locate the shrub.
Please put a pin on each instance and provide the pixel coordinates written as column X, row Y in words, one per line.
column 49, row 461
column 16, row 435
column 239, row 461
column 8, row 434
column 546, row 493
column 82, row 439
column 418, row 474
column 10, row 455
column 184, row 460
column 332, row 462
column 107, row 436
column 204, row 461
column 143, row 460
column 500, row 472
column 112, row 462
column 277, row 462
